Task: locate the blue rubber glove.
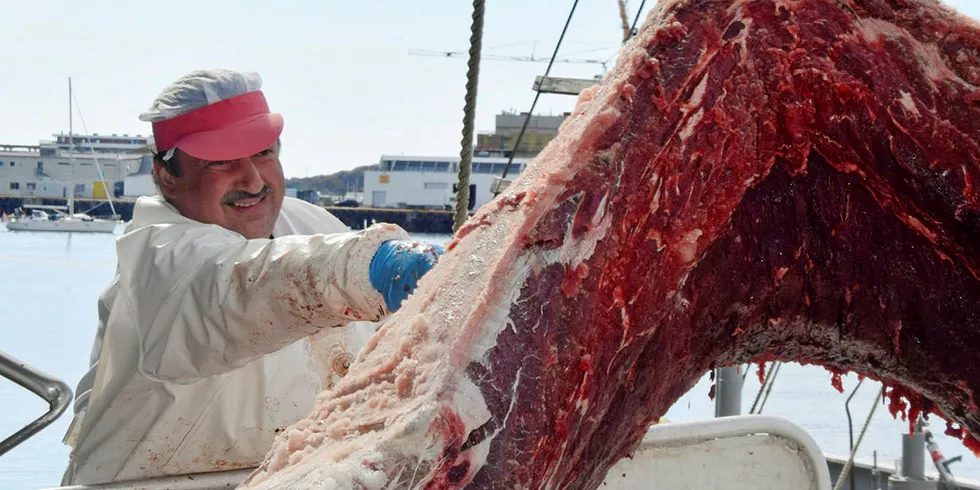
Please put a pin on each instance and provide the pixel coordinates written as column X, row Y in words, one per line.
column 397, row 267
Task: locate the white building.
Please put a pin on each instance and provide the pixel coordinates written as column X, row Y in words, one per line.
column 99, row 165
column 429, row 182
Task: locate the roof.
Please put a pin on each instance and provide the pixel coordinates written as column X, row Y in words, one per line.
column 30, row 154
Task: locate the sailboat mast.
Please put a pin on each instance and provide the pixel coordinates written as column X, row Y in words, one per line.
column 71, row 138
column 71, row 155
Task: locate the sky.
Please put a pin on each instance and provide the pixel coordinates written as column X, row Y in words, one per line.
column 341, row 73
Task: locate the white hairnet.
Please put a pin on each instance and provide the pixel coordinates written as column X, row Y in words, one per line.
column 198, row 89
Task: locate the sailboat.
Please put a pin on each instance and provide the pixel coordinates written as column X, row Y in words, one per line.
column 59, row 218
column 64, row 218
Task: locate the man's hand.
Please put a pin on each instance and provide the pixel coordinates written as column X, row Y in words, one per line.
column 397, row 267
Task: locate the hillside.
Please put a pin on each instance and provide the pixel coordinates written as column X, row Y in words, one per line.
column 336, row 183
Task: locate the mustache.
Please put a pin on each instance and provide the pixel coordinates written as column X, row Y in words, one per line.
column 233, row 196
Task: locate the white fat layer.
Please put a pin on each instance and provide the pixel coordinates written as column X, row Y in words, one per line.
column 498, row 317
column 698, row 95
column 690, row 123
column 908, row 103
column 480, row 451
column 572, row 253
column 473, row 411
column 576, row 251
column 927, row 55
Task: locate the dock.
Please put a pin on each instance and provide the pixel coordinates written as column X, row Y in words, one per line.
column 412, row 220
column 96, row 208
column 435, row 221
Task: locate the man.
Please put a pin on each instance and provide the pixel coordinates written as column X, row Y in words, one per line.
column 219, row 328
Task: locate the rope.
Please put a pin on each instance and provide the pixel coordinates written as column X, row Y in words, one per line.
column 537, row 93
column 469, row 113
column 850, row 460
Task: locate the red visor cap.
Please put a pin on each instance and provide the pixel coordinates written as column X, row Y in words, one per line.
column 229, row 129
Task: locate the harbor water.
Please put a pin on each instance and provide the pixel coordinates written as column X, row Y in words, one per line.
column 48, row 292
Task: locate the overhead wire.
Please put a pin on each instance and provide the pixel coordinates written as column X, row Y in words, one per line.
column 537, row 93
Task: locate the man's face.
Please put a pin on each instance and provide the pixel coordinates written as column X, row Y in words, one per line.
column 243, row 195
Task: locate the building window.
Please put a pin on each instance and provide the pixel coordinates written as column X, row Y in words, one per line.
column 11, row 164
column 15, row 186
column 31, row 186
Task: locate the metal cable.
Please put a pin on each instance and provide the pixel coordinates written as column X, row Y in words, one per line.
column 762, row 388
column 469, row 114
column 850, row 460
column 637, row 18
column 850, row 423
column 537, row 93
column 765, row 398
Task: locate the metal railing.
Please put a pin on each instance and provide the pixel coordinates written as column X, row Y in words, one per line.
column 54, row 391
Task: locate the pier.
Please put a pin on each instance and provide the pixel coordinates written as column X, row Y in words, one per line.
column 96, row 208
column 412, row 220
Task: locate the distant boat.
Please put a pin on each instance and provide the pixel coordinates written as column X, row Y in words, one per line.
column 62, row 218
column 59, row 218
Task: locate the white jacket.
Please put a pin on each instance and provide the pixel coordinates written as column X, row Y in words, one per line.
column 208, row 343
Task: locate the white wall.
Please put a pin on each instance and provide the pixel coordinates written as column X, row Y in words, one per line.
column 34, row 188
column 139, row 185
column 22, row 169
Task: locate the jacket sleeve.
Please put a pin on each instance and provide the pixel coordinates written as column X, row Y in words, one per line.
column 206, row 301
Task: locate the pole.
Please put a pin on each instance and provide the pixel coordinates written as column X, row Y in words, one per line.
column 728, row 395
column 71, row 154
column 71, row 139
column 914, row 456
